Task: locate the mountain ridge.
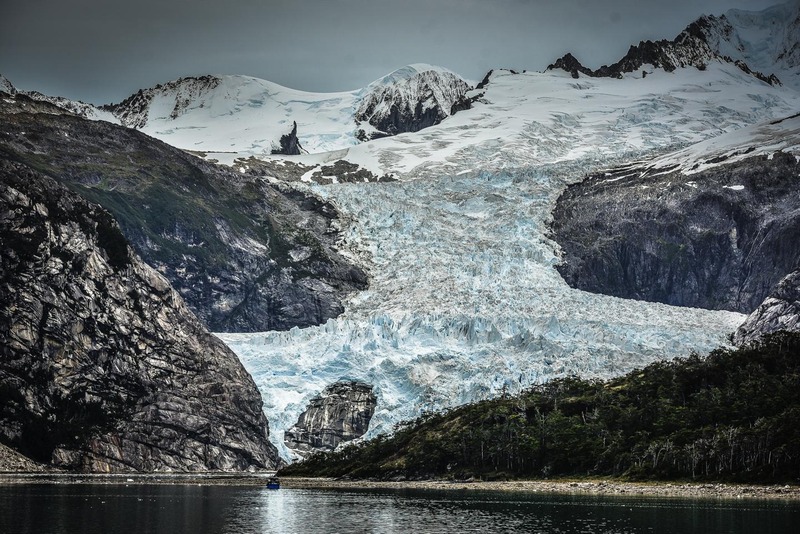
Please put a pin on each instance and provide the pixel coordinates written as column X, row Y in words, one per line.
column 711, row 38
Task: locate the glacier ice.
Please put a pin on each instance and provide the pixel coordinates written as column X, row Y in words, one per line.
column 464, row 304
column 464, row 300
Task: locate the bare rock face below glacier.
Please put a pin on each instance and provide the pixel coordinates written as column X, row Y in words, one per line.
column 779, row 311
column 103, row 368
column 340, row 413
column 719, row 239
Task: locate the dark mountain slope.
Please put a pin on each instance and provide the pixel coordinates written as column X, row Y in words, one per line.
column 244, row 254
column 719, row 239
column 102, row 366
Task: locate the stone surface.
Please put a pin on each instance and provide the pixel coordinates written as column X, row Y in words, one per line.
column 779, row 311
column 13, row 462
column 339, row 414
column 718, row 239
column 103, row 368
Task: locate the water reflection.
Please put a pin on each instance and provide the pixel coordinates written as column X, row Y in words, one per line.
column 96, row 508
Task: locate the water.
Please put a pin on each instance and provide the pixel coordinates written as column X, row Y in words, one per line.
column 102, row 508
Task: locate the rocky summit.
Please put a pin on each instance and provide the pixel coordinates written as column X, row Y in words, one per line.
column 103, row 368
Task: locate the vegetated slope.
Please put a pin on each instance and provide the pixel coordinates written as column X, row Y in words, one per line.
column 102, row 366
column 734, row 415
column 244, row 254
column 716, row 231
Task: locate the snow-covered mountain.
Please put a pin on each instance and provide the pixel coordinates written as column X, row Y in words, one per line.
column 761, row 43
column 248, row 115
column 767, row 41
column 464, row 299
column 531, row 118
column 87, row 111
column 764, row 139
column 408, row 100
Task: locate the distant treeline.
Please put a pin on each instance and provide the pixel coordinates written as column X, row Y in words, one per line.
column 733, row 415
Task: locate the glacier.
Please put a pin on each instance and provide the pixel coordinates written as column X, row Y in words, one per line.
column 464, row 304
column 464, row 301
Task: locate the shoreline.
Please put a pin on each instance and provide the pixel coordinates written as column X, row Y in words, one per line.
column 598, row 487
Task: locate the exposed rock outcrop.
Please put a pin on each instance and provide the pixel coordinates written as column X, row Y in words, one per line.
column 6, row 86
column 87, row 111
column 102, row 366
column 570, row 63
column 289, row 144
column 409, row 104
column 244, row 254
column 718, row 239
column 340, row 413
column 13, row 462
column 779, row 311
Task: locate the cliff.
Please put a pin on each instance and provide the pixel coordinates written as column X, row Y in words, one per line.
column 339, row 414
column 102, row 366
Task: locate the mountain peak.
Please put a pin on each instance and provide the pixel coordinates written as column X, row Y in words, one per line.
column 408, row 100
column 409, row 71
column 6, row 86
column 759, row 43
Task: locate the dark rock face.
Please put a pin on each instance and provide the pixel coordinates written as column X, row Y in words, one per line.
column 340, row 413
column 718, row 239
column 779, row 311
column 102, row 366
column 569, row 63
column 244, row 254
column 410, row 105
column 289, row 144
column 6, row 86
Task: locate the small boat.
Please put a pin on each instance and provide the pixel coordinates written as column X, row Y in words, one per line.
column 273, row 483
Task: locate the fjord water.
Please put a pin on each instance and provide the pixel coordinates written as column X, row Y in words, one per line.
column 100, row 508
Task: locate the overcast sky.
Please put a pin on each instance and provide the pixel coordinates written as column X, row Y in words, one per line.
column 101, row 51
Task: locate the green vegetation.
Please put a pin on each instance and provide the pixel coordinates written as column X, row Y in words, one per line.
column 734, row 415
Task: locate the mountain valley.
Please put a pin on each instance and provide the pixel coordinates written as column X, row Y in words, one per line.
column 424, row 242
